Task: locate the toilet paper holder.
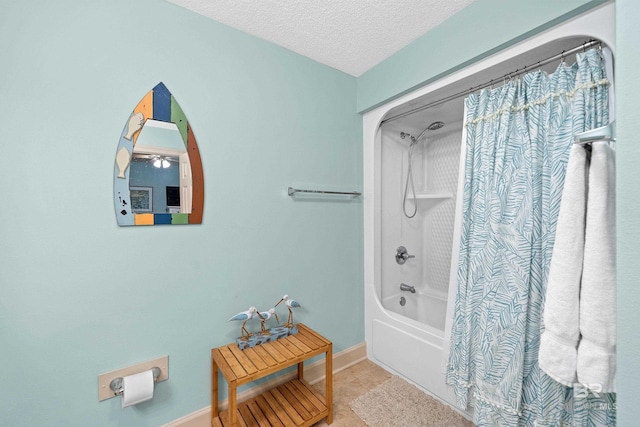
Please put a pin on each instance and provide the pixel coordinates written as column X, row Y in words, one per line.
column 108, row 391
column 116, row 384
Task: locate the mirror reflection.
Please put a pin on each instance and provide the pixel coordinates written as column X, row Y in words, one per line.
column 160, row 176
column 157, row 174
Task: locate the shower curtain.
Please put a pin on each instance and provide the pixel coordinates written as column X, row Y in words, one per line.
column 518, row 138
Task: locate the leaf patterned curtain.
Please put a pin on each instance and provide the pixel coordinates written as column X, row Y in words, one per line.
column 518, row 141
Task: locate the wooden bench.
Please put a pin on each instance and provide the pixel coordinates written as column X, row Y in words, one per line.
column 294, row 403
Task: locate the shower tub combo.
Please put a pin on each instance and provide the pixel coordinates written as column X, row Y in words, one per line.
column 418, row 173
column 412, row 171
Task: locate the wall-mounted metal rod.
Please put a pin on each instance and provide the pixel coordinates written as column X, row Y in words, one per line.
column 291, row 191
column 562, row 55
column 604, row 133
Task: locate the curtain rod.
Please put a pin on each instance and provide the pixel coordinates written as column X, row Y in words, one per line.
column 584, row 46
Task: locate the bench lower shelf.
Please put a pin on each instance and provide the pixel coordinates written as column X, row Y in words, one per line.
column 294, row 403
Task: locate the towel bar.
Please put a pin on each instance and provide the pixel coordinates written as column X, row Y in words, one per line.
column 604, row 133
column 291, row 191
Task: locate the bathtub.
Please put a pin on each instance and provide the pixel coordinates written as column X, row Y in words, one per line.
column 426, row 309
column 410, row 348
column 408, row 340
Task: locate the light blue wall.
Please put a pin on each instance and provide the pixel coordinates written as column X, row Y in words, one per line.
column 628, row 208
column 80, row 296
column 477, row 31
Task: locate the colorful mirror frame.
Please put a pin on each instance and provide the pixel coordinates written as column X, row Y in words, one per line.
column 159, row 105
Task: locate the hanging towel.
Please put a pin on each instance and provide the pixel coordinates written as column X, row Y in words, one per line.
column 558, row 343
column 597, row 350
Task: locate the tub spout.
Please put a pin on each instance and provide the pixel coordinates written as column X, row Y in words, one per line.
column 405, row 287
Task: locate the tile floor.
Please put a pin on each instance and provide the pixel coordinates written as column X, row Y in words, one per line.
column 350, row 384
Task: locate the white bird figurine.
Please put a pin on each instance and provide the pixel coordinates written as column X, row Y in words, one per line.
column 290, row 303
column 244, row 316
column 266, row 315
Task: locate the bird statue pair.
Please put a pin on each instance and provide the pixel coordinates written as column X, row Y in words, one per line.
column 253, row 312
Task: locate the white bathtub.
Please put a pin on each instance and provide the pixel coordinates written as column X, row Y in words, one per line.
column 408, row 347
column 427, row 309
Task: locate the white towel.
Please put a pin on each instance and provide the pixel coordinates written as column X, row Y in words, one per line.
column 559, row 341
column 597, row 350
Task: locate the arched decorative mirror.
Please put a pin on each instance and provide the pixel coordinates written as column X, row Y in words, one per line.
column 157, row 177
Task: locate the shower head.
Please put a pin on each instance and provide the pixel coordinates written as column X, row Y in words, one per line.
column 433, row 126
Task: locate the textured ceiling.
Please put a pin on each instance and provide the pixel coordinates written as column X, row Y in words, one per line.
column 349, row 35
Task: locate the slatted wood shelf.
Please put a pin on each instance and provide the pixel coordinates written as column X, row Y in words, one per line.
column 294, row 403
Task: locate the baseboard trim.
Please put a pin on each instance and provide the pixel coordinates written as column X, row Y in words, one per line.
column 313, row 373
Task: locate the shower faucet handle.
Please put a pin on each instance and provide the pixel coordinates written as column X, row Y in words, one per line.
column 402, row 255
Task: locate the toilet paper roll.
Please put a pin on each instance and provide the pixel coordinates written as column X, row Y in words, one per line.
column 137, row 388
